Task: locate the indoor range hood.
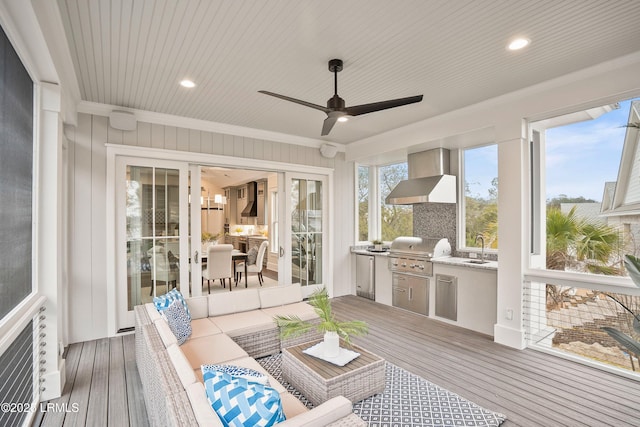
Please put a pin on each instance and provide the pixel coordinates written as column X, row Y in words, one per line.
column 252, row 207
column 429, row 180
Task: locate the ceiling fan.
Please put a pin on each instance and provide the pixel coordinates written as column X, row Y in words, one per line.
column 336, row 109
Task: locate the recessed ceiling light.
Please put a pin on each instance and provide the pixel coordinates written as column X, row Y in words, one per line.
column 519, row 43
column 187, row 83
column 343, row 118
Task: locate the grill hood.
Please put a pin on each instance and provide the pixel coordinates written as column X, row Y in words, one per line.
column 429, row 180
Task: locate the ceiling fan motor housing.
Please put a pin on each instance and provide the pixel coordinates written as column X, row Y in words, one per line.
column 335, row 65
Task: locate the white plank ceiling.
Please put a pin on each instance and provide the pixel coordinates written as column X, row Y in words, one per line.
column 133, row 54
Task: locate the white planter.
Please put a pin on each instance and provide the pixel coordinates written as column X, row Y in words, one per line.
column 331, row 344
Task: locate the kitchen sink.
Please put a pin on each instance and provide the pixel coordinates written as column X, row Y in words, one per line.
column 476, row 261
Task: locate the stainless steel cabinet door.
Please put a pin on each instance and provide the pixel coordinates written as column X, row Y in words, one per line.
column 447, row 297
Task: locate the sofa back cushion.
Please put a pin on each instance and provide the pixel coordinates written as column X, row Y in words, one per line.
column 198, row 306
column 280, row 295
column 233, row 302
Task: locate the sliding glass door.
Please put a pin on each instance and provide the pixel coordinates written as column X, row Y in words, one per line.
column 307, row 233
column 152, row 232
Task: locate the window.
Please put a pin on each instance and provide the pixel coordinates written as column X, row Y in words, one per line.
column 274, row 243
column 395, row 220
column 590, row 192
column 362, row 189
column 376, row 219
column 480, row 171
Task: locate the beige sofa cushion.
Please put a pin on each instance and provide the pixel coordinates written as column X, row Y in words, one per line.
column 198, row 306
column 300, row 309
column 244, row 323
column 203, row 328
column 233, row 302
column 181, row 365
column 291, row 405
column 280, row 295
column 322, row 415
column 211, row 349
column 205, row 415
column 165, row 333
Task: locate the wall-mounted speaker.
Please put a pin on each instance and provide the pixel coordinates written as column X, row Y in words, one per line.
column 122, row 120
column 329, row 151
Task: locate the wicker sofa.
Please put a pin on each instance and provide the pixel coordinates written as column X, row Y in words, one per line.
column 228, row 328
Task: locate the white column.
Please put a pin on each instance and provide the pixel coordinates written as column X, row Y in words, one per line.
column 512, row 226
column 49, row 228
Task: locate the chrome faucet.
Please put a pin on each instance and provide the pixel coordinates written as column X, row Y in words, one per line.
column 481, row 238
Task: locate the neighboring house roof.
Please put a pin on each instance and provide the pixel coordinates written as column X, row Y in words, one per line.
column 626, row 195
column 588, row 211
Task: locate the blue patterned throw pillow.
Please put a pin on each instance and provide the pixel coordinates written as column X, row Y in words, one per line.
column 237, row 372
column 241, row 403
column 178, row 320
column 164, row 301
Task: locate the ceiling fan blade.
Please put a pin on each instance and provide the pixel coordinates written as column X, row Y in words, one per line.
column 357, row 110
column 297, row 101
column 328, row 124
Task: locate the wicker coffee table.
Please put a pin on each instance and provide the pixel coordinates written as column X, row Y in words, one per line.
column 319, row 380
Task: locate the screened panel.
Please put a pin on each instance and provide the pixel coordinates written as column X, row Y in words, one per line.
column 16, row 178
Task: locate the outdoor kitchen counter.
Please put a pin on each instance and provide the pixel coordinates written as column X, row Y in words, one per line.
column 464, row 262
column 363, row 251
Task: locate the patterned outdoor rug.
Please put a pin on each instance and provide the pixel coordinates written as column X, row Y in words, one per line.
column 407, row 400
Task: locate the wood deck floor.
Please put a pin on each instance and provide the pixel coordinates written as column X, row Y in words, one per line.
column 531, row 388
column 103, row 387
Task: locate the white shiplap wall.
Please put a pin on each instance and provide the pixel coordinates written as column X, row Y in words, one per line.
column 87, row 175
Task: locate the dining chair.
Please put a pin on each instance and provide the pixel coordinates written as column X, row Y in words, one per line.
column 219, row 265
column 254, row 268
column 161, row 269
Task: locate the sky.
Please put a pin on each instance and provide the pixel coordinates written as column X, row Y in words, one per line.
column 580, row 157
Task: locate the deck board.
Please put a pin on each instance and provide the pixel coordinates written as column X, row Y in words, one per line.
column 118, row 409
column 531, row 388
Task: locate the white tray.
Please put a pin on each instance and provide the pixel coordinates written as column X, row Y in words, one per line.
column 344, row 356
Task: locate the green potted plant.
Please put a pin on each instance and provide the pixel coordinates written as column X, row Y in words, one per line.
column 377, row 244
column 292, row 326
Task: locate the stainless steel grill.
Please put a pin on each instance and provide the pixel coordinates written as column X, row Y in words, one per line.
column 413, row 254
column 411, row 267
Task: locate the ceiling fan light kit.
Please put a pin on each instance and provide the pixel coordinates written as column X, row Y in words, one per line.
column 336, row 109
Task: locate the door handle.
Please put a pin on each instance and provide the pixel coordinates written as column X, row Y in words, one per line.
column 410, row 294
column 281, row 251
column 196, row 257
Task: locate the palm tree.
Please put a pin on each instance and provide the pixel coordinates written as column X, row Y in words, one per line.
column 570, row 240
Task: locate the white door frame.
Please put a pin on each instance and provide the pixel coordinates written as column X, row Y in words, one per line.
column 116, row 150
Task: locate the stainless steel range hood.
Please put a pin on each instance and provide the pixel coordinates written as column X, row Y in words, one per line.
column 252, row 207
column 429, row 180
